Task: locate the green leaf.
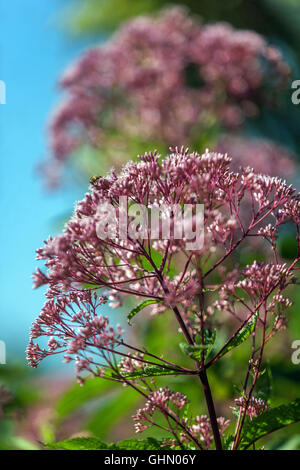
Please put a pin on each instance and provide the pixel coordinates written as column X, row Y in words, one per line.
column 228, row 442
column 92, row 443
column 140, row 307
column 194, row 352
column 270, row 421
column 209, row 340
column 292, row 443
column 80, row 443
column 21, row 443
column 264, row 386
column 156, row 257
column 241, row 336
column 77, row 396
column 152, row 371
column 112, row 410
column 133, row 444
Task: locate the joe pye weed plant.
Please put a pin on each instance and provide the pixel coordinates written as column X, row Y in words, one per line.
column 200, row 289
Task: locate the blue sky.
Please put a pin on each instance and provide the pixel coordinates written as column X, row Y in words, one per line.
column 33, row 51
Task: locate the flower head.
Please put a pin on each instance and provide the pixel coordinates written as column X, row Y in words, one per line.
column 254, row 407
column 162, row 78
column 88, row 256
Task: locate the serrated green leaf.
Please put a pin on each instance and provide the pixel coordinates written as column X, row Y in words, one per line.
column 270, row 421
column 151, row 371
column 140, row 307
column 241, row 336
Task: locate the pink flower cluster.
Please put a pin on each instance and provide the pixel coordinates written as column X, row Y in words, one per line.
column 162, row 400
column 166, row 402
column 202, row 429
column 195, row 285
column 79, row 257
column 264, row 155
column 254, row 407
column 74, row 327
column 158, row 80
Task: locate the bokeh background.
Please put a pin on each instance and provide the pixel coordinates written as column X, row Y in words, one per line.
column 38, row 40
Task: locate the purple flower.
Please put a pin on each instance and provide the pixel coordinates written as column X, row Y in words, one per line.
column 161, row 79
column 265, row 156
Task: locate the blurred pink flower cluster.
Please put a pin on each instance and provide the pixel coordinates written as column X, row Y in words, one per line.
column 263, row 155
column 161, row 79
